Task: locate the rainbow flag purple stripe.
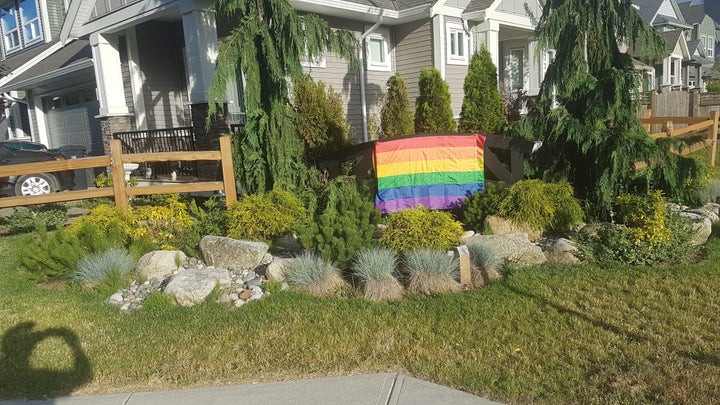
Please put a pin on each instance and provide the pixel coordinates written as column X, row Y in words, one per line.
column 436, row 171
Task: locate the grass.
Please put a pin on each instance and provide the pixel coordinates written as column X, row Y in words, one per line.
column 550, row 334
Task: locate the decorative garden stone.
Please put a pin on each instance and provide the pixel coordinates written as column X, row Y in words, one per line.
column 192, row 286
column 219, row 251
column 160, row 263
column 514, row 249
column 503, row 226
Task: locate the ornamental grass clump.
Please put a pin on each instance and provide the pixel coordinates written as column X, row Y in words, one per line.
column 310, row 273
column 485, row 262
column 97, row 268
column 375, row 268
column 431, row 272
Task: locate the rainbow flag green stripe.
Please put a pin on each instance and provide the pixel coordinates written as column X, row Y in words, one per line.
column 426, row 179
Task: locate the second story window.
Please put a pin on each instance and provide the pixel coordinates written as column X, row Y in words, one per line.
column 710, row 47
column 20, row 24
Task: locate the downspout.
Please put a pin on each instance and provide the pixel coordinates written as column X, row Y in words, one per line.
column 361, row 59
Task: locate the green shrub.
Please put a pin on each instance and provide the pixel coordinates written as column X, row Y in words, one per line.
column 97, row 268
column 344, row 224
column 612, row 245
column 208, row 219
column 417, row 228
column 264, row 217
column 375, row 264
column 433, row 112
column 49, row 256
column 163, row 224
column 158, row 300
column 396, row 118
column 713, row 85
column 482, row 108
column 483, row 203
column 321, row 118
column 549, row 207
column 36, row 218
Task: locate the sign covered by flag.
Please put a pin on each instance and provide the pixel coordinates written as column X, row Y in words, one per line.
column 436, row 171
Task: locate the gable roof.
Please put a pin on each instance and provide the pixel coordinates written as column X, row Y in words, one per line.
column 692, row 13
column 15, row 61
column 478, row 5
column 647, row 9
column 671, row 40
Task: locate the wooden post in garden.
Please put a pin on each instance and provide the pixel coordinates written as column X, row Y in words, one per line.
column 118, row 174
column 647, row 114
column 714, row 133
column 227, row 169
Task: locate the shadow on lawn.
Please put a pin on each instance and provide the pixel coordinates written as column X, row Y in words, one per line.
column 569, row 311
column 18, row 377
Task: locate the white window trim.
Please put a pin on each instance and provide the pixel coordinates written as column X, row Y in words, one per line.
column 315, row 63
column 710, row 47
column 6, row 33
column 450, row 30
column 384, row 36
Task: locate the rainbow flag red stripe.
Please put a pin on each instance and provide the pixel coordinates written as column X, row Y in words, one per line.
column 436, row 171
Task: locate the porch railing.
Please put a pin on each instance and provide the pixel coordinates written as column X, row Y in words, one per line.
column 161, row 140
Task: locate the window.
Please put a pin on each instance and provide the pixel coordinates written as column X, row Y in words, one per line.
column 20, row 24
column 318, row 62
column 710, row 47
column 457, row 44
column 377, row 49
column 674, row 69
column 11, row 34
column 516, row 69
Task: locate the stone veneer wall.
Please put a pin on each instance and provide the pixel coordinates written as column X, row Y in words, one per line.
column 111, row 124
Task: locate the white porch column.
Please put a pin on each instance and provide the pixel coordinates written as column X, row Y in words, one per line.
column 491, row 32
column 200, row 51
column 108, row 75
column 535, row 62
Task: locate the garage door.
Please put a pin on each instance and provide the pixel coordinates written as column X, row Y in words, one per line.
column 76, row 125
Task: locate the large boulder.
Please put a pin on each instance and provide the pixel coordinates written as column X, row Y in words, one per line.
column 708, row 211
column 159, row 263
column 224, row 252
column 514, row 249
column 276, row 269
column 503, row 226
column 701, row 228
column 561, row 251
column 192, row 286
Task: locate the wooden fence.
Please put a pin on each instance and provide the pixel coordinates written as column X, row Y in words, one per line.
column 692, row 127
column 119, row 190
column 679, row 104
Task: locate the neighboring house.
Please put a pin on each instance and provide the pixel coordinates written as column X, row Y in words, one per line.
column 701, row 44
column 123, row 65
column 666, row 17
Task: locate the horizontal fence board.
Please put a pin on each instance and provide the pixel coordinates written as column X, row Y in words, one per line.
column 675, row 120
column 54, row 166
column 171, row 156
column 7, row 202
column 176, row 188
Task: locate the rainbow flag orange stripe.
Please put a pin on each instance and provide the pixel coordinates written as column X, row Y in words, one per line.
column 436, row 171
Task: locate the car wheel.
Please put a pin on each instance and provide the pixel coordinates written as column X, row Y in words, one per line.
column 35, row 184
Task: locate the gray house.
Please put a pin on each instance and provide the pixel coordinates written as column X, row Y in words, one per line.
column 701, row 44
column 123, row 65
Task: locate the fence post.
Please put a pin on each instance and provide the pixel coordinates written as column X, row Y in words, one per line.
column 713, row 151
column 118, row 174
column 647, row 114
column 653, row 101
column 227, row 169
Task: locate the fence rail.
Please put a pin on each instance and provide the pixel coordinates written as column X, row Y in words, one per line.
column 706, row 128
column 119, row 190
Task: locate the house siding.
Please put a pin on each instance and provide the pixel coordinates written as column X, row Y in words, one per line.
column 454, row 74
column 413, row 52
column 106, row 6
column 56, row 16
column 346, row 80
column 160, row 45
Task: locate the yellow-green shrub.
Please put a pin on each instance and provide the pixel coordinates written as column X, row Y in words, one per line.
column 540, row 205
column 644, row 216
column 164, row 224
column 264, row 217
column 417, row 228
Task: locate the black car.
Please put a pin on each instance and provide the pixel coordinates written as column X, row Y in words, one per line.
column 37, row 183
column 23, row 145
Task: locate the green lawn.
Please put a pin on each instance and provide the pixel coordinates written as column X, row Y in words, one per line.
column 543, row 335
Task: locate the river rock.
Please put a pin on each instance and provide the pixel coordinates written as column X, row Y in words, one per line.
column 224, row 252
column 159, row 263
column 514, row 249
column 192, row 286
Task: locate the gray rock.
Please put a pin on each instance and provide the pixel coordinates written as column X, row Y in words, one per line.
column 115, row 299
column 701, row 228
column 254, row 282
column 514, row 249
column 562, row 251
column 709, row 213
column 159, row 263
column 192, row 286
column 224, row 252
column 276, row 269
column 288, row 244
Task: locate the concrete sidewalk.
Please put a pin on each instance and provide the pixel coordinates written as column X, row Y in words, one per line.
column 370, row 389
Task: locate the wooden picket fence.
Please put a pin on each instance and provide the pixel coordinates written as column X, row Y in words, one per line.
column 706, row 128
column 119, row 190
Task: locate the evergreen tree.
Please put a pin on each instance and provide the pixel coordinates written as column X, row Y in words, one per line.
column 267, row 45
column 593, row 137
column 482, row 109
column 433, row 112
column 321, row 119
column 396, row 118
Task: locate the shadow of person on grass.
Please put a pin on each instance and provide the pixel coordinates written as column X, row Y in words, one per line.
column 18, row 377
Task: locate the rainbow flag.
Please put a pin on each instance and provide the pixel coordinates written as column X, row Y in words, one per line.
column 436, row 171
